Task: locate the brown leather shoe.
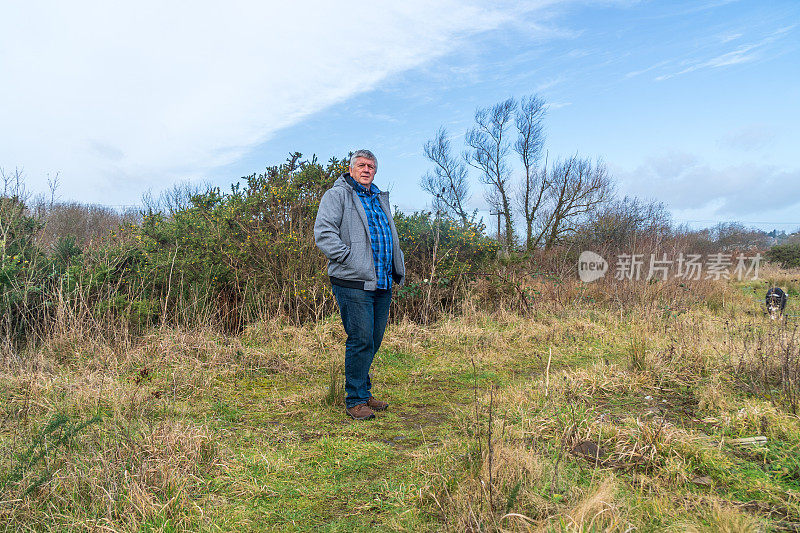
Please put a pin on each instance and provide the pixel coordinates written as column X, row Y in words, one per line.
column 376, row 404
column 360, row 412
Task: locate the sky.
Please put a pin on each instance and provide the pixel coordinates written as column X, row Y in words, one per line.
column 695, row 104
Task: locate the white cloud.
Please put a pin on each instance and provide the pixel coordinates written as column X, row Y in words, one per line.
column 685, row 183
column 745, row 53
column 648, row 69
column 728, row 37
column 122, row 96
column 749, row 138
column 549, row 84
column 742, row 54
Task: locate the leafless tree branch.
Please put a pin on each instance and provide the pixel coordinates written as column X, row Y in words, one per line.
column 488, row 150
column 530, row 142
column 448, row 182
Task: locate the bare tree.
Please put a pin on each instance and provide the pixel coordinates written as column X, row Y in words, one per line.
column 12, row 205
column 448, row 182
column 488, row 151
column 13, row 184
column 53, row 184
column 735, row 236
column 627, row 224
column 577, row 187
column 530, row 141
column 173, row 199
column 88, row 224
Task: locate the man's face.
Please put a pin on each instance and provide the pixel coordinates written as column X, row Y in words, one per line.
column 363, row 171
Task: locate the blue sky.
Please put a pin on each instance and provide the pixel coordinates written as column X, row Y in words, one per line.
column 696, row 104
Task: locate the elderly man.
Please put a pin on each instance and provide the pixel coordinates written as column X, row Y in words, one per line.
column 356, row 232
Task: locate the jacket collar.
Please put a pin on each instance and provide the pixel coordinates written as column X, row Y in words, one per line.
column 360, row 188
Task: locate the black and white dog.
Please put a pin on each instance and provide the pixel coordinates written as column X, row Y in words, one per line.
column 776, row 302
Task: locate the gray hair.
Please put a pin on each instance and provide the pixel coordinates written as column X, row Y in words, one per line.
column 366, row 154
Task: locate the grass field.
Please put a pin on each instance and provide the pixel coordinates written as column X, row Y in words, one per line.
column 580, row 415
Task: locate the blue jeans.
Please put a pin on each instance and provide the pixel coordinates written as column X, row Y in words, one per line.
column 364, row 315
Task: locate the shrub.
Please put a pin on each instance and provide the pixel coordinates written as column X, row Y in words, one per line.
column 230, row 257
column 442, row 257
column 25, row 279
column 786, row 255
column 219, row 258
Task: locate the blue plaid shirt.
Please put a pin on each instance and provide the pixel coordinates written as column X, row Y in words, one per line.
column 380, row 233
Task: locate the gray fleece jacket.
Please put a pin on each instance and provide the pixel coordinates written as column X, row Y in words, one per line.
column 341, row 231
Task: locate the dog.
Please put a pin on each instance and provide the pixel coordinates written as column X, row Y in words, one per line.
column 776, row 302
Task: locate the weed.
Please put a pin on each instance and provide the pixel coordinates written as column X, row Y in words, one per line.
column 60, row 432
column 335, row 392
column 558, row 418
column 637, row 350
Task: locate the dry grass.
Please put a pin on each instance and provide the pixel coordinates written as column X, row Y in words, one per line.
column 648, row 409
column 594, row 411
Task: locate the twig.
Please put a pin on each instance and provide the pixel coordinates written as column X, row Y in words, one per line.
column 491, row 449
column 547, row 373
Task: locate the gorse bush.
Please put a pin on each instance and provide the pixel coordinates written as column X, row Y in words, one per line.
column 208, row 257
column 459, row 247
column 442, row 257
column 28, row 276
column 219, row 258
column 786, row 255
column 230, row 257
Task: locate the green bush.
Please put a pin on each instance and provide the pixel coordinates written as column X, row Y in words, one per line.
column 786, row 255
column 220, row 258
column 442, row 257
column 230, row 257
column 26, row 274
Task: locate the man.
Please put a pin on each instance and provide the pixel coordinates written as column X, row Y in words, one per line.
column 356, row 232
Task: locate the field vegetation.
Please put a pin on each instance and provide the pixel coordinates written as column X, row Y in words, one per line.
column 181, row 370
column 595, row 409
